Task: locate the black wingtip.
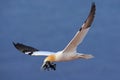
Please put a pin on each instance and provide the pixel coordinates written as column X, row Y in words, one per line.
column 14, row 44
column 24, row 48
column 93, row 3
column 93, row 6
column 90, row 17
column 91, row 14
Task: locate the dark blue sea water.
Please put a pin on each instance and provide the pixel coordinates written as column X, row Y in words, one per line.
column 50, row 25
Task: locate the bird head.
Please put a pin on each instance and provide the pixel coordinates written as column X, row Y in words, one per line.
column 50, row 58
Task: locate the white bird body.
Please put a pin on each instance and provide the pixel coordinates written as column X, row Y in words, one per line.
column 62, row 57
column 67, row 56
column 70, row 51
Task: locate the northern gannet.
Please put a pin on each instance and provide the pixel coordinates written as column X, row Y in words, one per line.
column 69, row 52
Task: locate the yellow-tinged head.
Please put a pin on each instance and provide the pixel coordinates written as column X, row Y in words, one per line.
column 50, row 58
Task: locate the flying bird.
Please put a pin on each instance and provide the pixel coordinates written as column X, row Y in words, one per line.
column 68, row 53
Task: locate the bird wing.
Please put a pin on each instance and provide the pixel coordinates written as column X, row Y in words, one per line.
column 31, row 51
column 78, row 38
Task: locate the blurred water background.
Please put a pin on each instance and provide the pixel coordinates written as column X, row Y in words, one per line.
column 50, row 25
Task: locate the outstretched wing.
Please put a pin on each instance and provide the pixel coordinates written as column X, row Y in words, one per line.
column 78, row 38
column 30, row 50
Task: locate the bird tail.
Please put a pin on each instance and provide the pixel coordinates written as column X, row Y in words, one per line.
column 87, row 56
